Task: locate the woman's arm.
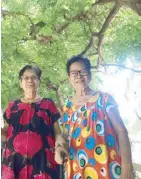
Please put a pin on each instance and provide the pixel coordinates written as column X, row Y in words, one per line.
column 61, row 151
column 5, row 118
column 124, row 144
column 4, row 131
column 60, row 141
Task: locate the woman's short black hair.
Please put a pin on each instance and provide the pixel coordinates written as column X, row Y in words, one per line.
column 74, row 59
column 30, row 67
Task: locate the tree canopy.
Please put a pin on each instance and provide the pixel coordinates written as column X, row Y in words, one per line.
column 48, row 32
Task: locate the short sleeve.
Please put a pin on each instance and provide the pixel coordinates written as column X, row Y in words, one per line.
column 54, row 111
column 64, row 117
column 7, row 113
column 109, row 102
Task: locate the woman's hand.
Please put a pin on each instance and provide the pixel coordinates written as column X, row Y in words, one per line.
column 60, row 141
column 127, row 172
column 61, row 155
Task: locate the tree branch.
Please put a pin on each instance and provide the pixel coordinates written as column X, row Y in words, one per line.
column 100, row 34
column 109, row 18
column 8, row 13
column 60, row 28
column 117, row 65
column 50, row 85
column 92, row 39
column 99, row 2
column 78, row 17
column 105, row 26
column 99, row 46
column 56, row 88
column 92, row 54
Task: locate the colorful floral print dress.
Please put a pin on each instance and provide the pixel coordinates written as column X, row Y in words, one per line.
column 94, row 151
column 29, row 149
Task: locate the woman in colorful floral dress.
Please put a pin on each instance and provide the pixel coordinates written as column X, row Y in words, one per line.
column 99, row 147
column 31, row 129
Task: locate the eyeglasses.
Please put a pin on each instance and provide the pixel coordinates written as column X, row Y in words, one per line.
column 26, row 78
column 75, row 73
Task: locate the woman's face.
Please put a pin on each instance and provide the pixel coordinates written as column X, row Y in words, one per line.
column 79, row 77
column 29, row 81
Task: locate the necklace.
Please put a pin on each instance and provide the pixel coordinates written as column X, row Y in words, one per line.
column 80, row 101
column 24, row 100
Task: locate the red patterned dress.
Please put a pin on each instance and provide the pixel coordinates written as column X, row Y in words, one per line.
column 94, row 151
column 29, row 149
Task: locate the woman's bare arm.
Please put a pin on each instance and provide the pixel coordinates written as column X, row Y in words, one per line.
column 58, row 135
column 4, row 131
column 124, row 144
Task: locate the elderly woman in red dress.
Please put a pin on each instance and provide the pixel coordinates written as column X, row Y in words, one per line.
column 30, row 130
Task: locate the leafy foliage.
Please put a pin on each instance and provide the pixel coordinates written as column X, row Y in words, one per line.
column 47, row 32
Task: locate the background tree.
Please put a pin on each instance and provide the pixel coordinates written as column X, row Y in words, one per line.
column 46, row 33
